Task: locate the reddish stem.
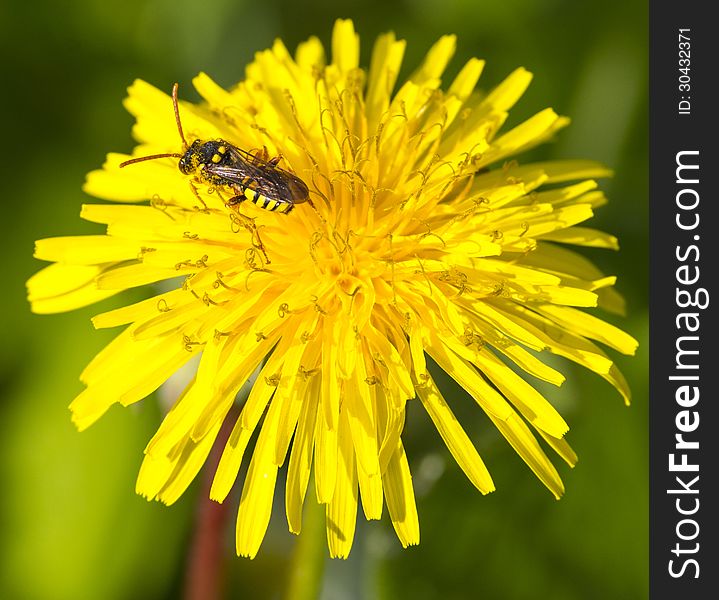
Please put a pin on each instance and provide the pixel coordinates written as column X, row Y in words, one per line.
column 205, row 575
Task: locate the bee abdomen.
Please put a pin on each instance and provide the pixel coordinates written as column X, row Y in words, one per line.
column 267, row 203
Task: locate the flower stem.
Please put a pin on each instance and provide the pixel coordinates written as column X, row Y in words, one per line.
column 204, row 579
column 308, row 557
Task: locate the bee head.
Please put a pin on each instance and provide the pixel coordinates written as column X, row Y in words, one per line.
column 203, row 153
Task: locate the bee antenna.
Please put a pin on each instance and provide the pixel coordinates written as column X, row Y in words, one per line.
column 179, row 129
column 177, row 115
column 151, row 157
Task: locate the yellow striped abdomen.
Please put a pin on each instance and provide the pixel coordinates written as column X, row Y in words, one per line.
column 268, row 204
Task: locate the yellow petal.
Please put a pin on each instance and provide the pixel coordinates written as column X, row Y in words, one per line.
column 454, row 436
column 506, row 94
column 300, row 360
column 590, row 326
column 154, row 472
column 86, row 249
column 310, row 54
column 256, row 502
column 124, row 277
column 583, row 236
column 233, row 452
column 298, row 471
column 525, row 444
column 457, row 368
column 530, row 133
column 228, row 383
column 360, row 413
column 135, row 370
column 561, row 447
column 398, row 371
column 464, row 83
column 400, row 498
column 570, row 170
column 60, row 287
column 325, row 455
column 140, row 311
column 435, row 62
column 230, row 462
column 342, row 509
column 362, row 420
column 531, row 404
column 386, row 61
column 345, row 45
column 330, row 381
column 188, row 465
column 156, row 118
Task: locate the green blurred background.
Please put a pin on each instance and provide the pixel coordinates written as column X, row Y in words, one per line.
column 70, row 523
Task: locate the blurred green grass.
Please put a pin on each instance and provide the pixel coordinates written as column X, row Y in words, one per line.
column 71, row 525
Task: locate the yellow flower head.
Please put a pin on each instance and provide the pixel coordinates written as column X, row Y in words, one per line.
column 419, row 237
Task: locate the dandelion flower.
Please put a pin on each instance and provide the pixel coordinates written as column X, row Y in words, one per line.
column 422, row 237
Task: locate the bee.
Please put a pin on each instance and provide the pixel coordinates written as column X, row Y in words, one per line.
column 252, row 177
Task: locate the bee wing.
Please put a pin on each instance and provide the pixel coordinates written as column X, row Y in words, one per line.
column 260, row 164
column 248, row 170
column 240, row 155
column 245, row 176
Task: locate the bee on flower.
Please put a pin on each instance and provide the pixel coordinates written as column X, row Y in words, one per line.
column 417, row 238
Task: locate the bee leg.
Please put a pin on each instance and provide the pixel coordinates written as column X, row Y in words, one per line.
column 262, row 157
column 259, row 156
column 275, row 160
column 197, row 195
column 248, row 223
